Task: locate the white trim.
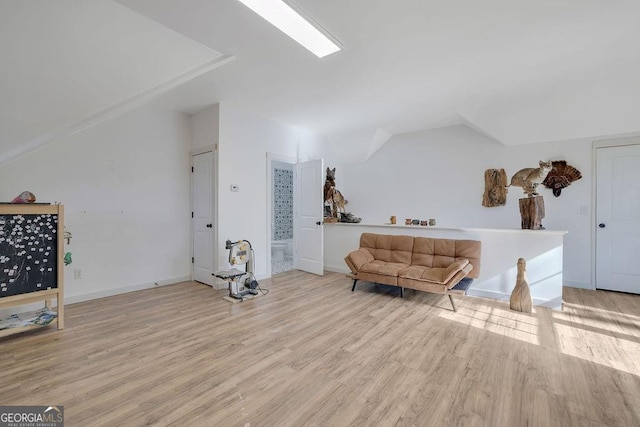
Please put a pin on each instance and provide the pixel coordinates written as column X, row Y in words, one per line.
column 270, row 158
column 114, row 110
column 202, row 150
column 581, row 285
column 505, row 297
column 335, row 269
column 619, row 142
column 602, row 143
column 125, row 289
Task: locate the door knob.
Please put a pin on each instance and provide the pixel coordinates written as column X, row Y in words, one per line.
column 209, row 225
column 318, row 223
column 602, row 225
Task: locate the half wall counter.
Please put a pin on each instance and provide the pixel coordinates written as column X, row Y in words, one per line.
column 501, row 248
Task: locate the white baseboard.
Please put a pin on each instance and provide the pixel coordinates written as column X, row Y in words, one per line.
column 262, row 276
column 581, row 285
column 485, row 293
column 72, row 299
column 336, row 269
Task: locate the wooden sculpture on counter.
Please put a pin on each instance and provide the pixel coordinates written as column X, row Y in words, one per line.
column 521, row 296
column 495, row 191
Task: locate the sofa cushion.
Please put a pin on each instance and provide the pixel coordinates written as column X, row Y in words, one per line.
column 423, row 252
column 383, row 268
column 440, row 253
column 396, row 249
column 470, row 249
column 440, row 275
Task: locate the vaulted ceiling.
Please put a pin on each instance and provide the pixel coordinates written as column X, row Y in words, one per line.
column 518, row 71
column 68, row 64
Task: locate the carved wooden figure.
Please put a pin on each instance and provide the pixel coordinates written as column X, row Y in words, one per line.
column 495, row 191
column 521, row 296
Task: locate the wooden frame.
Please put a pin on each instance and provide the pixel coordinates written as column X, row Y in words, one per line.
column 45, row 295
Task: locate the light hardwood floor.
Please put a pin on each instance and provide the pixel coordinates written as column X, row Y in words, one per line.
column 311, row 352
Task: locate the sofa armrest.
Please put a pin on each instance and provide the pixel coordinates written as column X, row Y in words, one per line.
column 356, row 259
column 454, row 269
column 458, row 276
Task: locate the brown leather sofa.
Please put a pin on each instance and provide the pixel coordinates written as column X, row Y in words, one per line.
column 420, row 263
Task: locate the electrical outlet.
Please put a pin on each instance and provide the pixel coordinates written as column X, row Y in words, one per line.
column 77, row 274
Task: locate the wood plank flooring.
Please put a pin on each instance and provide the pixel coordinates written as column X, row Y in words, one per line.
column 311, row 352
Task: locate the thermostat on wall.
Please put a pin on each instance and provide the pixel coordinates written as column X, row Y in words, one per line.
column 234, row 187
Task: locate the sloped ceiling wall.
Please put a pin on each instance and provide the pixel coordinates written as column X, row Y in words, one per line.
column 67, row 61
column 519, row 72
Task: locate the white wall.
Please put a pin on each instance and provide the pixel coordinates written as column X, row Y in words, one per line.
column 125, row 186
column 245, row 140
column 440, row 174
column 205, row 128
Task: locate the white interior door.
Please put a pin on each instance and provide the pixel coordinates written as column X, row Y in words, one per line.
column 202, row 200
column 618, row 218
column 308, row 201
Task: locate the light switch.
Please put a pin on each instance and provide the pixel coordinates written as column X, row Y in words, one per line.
column 235, row 188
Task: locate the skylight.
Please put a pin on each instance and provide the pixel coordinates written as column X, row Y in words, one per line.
column 293, row 24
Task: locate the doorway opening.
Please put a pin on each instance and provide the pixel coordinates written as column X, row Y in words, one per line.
column 296, row 238
column 282, row 239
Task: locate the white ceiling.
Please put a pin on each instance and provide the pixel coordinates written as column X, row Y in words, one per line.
column 518, row 71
